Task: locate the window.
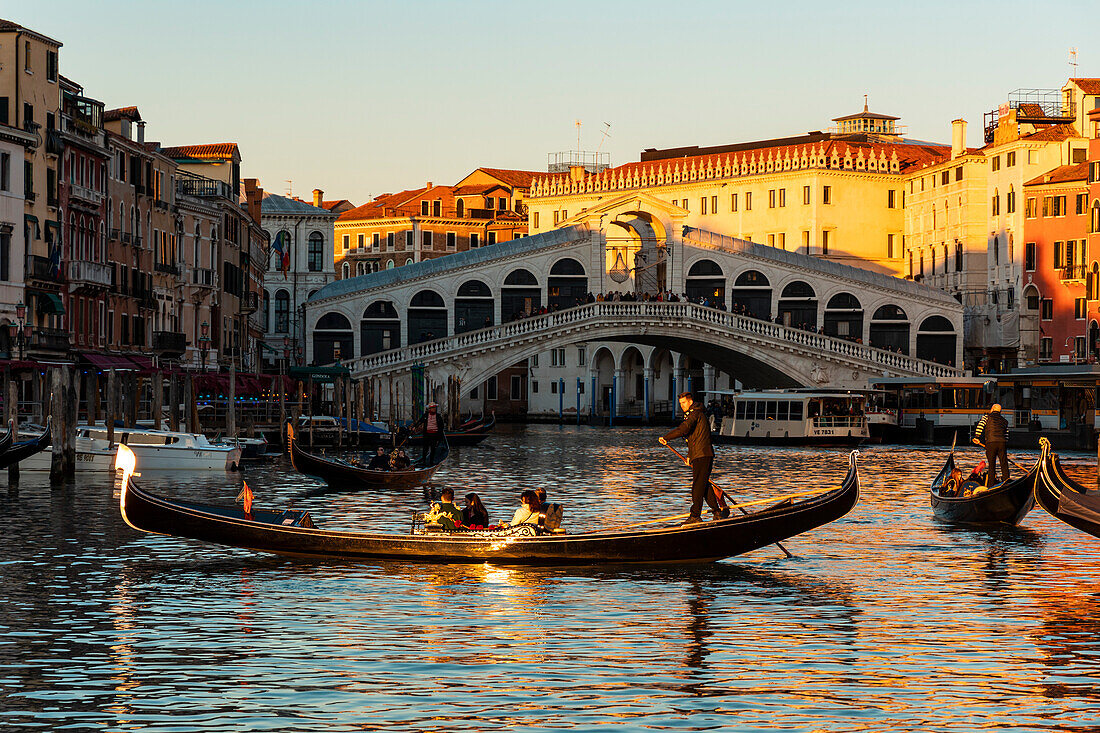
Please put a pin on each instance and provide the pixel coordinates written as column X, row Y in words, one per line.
column 805, row 195
column 535, row 386
column 27, row 56
column 557, row 357
column 452, row 241
column 3, row 110
column 437, row 208
column 424, row 208
column 805, row 242
column 553, row 387
column 425, row 240
column 996, row 162
column 703, row 206
column 675, row 202
column 565, row 212
column 347, row 242
column 282, row 312
column 771, row 198
column 502, row 204
column 517, row 387
column 1046, row 309
column 733, row 202
column 1082, row 203
column 959, row 173
column 714, row 204
column 1029, row 256
column 782, row 197
column 474, row 243
column 748, row 200
column 491, row 388
column 996, row 205
column 5, row 171
column 1078, row 155
column 1010, row 160
column 5, row 255
column 891, row 199
column 376, row 238
column 316, row 252
column 1046, row 348
column 781, row 240
column 581, row 360
column 1010, row 201
column 1029, row 208
column 826, row 194
column 945, row 178
column 408, row 239
column 51, row 65
column 1080, row 309
column 491, row 238
column 825, row 241
column 891, row 246
column 535, row 219
column 389, row 241
column 346, row 270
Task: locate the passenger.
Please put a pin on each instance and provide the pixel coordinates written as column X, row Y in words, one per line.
column 445, row 512
column 475, row 515
column 528, row 512
column 399, row 461
column 379, row 461
column 541, row 494
column 979, row 473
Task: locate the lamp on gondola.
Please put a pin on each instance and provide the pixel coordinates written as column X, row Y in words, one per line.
column 204, row 342
column 20, row 331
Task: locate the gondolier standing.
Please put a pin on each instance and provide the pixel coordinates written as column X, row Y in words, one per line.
column 993, row 431
column 432, row 425
column 696, row 429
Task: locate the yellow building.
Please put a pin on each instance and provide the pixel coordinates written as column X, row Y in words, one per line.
column 836, row 195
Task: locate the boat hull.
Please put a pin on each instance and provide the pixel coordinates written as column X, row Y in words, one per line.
column 1006, row 503
column 703, row 542
column 1063, row 498
column 342, row 475
column 152, row 458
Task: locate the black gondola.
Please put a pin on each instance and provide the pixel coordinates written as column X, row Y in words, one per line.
column 955, row 499
column 16, row 452
column 471, row 435
column 9, row 436
column 340, row 473
column 1064, row 498
column 292, row 532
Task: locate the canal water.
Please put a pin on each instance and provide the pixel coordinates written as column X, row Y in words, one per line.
column 882, row 620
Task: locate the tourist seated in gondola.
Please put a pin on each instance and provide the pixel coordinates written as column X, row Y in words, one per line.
column 978, row 475
column 475, row 515
column 444, row 512
column 379, row 461
column 529, row 511
column 399, row 461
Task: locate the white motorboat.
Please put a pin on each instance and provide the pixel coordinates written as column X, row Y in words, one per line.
column 157, row 450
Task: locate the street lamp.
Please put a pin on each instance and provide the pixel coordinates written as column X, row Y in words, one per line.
column 20, row 331
column 204, row 342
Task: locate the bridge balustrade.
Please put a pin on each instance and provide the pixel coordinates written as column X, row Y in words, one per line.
column 659, row 313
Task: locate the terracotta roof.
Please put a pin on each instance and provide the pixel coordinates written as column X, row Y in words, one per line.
column 1030, row 109
column 517, row 179
column 1062, row 174
column 329, row 205
column 210, row 151
column 130, row 113
column 9, row 26
column 376, row 209
column 477, row 190
column 1089, row 85
column 1054, row 133
column 909, row 155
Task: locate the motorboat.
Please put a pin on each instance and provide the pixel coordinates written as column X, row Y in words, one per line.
column 158, row 450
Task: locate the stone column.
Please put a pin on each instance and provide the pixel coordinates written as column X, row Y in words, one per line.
column 647, row 394
column 709, row 377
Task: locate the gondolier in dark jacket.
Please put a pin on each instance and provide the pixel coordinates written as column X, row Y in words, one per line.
column 696, row 429
column 431, row 422
column 992, row 430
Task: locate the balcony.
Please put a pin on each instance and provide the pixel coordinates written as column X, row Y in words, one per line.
column 147, row 300
column 1074, row 273
column 54, row 143
column 50, row 339
column 127, row 238
column 167, row 268
column 162, row 205
column 40, row 268
column 90, row 274
column 169, row 342
column 115, row 235
column 93, row 197
column 192, row 185
column 250, row 302
column 33, row 128
column 29, row 195
column 137, row 240
column 203, row 277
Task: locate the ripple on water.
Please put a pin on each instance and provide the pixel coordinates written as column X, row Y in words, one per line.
column 884, row 619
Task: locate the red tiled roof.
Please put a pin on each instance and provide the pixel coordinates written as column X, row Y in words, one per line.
column 130, row 113
column 1054, row 133
column 399, row 203
column 909, row 155
column 1062, row 174
column 212, row 151
column 514, row 178
column 329, row 205
column 1030, row 109
column 476, row 190
column 1089, row 85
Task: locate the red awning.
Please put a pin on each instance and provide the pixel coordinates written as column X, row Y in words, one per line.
column 143, row 363
column 106, row 362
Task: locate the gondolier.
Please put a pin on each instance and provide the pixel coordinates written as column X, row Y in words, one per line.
column 432, row 426
column 992, row 430
column 696, row 429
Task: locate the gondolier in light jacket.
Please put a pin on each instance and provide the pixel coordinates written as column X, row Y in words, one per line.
column 696, row 429
column 992, row 430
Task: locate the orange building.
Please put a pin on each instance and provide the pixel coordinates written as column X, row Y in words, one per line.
column 485, row 207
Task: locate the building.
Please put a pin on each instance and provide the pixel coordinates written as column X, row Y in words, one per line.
column 485, row 207
column 836, row 195
column 301, row 263
column 13, row 298
column 30, row 80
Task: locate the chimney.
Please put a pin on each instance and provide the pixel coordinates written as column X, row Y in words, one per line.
column 577, row 173
column 318, row 197
column 141, row 132
column 428, row 184
column 253, row 197
column 958, row 137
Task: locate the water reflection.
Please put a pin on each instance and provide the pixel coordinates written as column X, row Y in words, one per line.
column 884, row 619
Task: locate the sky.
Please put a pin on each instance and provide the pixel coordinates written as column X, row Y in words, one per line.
column 365, row 98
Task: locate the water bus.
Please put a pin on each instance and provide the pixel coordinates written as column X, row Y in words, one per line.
column 792, row 417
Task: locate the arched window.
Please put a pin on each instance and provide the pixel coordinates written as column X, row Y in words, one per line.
column 316, row 252
column 380, row 328
column 567, row 285
column 705, row 282
column 332, row 339
column 460, row 208
column 1095, row 218
column 345, row 269
column 844, row 317
column 474, row 306
column 359, row 269
column 427, row 317
column 889, row 329
column 936, row 340
column 282, row 312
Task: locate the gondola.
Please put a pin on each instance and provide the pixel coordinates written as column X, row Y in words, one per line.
column 339, row 473
column 472, row 435
column 9, row 436
column 16, row 452
column 293, row 532
column 1007, row 503
column 1063, row 497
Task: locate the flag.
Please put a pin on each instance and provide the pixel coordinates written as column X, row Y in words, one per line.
column 246, row 497
column 282, row 246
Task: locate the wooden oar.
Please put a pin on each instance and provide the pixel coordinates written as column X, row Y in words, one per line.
column 719, row 493
column 1014, row 463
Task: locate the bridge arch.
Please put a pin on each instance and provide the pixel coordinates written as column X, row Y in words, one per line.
column 566, row 285
column 843, row 317
column 936, row 340
column 603, row 370
column 474, row 306
column 705, row 281
column 646, row 234
column 752, row 295
column 379, row 328
column 427, row 317
column 889, row 329
column 333, row 339
column 519, row 294
column 798, row 305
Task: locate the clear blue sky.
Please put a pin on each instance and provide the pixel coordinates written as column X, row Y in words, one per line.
column 363, row 98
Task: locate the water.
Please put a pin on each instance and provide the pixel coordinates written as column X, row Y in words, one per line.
column 884, row 619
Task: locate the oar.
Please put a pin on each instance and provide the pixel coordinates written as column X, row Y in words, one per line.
column 1014, row 463
column 719, row 493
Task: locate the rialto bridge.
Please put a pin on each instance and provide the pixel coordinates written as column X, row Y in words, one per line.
column 772, row 317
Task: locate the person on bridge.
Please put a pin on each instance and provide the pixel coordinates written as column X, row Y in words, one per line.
column 993, row 428
column 432, row 425
column 696, row 430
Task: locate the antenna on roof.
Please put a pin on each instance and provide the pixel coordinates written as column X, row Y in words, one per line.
column 864, row 102
column 289, row 188
column 1073, row 60
column 606, row 134
column 578, row 124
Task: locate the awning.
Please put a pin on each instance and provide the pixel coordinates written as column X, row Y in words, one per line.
column 106, row 362
column 50, row 304
column 319, row 373
column 143, row 363
column 265, row 345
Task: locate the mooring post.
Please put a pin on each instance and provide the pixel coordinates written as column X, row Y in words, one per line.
column 231, row 413
column 112, row 402
column 173, row 401
column 158, row 399
column 11, row 413
column 191, row 395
